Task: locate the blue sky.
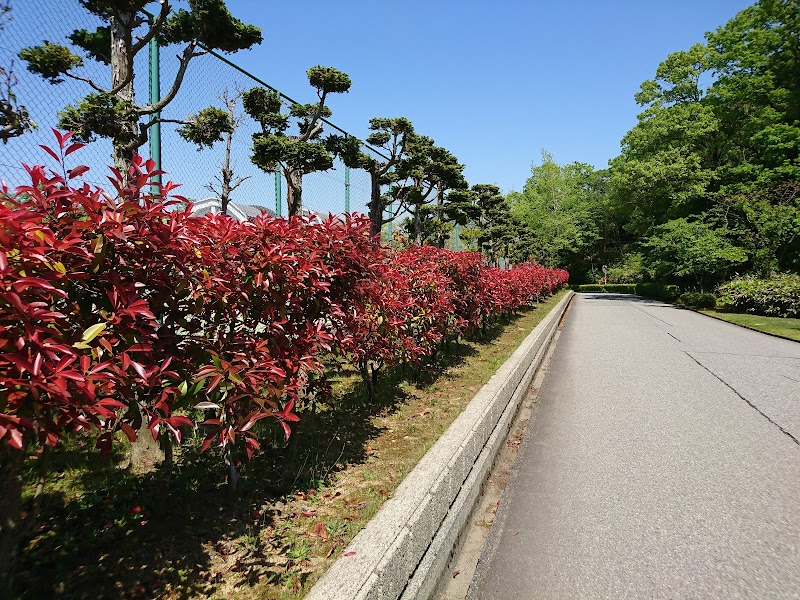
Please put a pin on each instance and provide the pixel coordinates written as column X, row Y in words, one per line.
column 494, row 82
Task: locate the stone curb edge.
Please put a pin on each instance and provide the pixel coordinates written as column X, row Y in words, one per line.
column 405, row 547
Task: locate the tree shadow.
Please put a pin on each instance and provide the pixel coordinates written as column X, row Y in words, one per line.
column 106, row 533
column 612, row 297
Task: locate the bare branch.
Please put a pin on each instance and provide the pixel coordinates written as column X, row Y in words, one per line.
column 93, row 85
column 240, row 181
column 314, row 126
column 113, row 91
column 188, row 54
column 158, row 22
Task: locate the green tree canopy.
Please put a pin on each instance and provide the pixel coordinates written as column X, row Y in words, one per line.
column 276, row 148
column 112, row 111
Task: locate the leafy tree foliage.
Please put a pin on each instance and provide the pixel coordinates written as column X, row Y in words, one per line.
column 305, row 151
column 564, row 208
column 112, row 111
column 391, row 136
column 421, row 178
column 14, row 117
column 691, row 252
column 706, row 182
column 716, row 152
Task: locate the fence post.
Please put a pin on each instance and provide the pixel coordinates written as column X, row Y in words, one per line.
column 278, row 193
column 346, row 189
column 154, row 135
column 390, row 224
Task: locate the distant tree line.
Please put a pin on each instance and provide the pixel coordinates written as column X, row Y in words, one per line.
column 708, row 181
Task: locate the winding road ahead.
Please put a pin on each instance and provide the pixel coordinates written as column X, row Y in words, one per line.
column 663, row 462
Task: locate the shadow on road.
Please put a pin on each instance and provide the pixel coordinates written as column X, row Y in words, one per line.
column 622, row 297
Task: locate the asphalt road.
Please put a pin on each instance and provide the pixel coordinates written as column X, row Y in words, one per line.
column 663, row 462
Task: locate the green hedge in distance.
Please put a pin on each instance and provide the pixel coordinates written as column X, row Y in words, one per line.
column 654, row 290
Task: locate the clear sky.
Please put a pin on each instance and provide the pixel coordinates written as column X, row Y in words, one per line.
column 493, row 82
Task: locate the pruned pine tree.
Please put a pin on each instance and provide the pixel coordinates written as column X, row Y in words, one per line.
column 112, row 111
column 422, row 178
column 294, row 154
column 390, row 136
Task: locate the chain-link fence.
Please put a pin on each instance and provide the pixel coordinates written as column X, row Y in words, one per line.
column 208, row 79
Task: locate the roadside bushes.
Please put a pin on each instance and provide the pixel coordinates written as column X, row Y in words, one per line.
column 697, row 300
column 121, row 312
column 776, row 296
column 419, row 299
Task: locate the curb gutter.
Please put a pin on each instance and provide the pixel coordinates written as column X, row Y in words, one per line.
column 405, row 548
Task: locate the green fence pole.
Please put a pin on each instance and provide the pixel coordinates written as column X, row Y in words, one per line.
column 347, row 189
column 390, row 224
column 278, row 193
column 154, row 134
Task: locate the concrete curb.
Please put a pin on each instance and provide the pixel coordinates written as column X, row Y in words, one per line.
column 404, row 549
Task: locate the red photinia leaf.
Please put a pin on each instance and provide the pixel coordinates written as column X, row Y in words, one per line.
column 129, row 432
column 15, row 439
column 50, row 152
column 76, row 171
column 72, row 148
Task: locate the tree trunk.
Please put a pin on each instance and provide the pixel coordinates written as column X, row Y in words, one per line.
column 294, row 193
column 440, row 235
column 416, row 226
column 375, row 204
column 146, row 453
column 10, row 518
column 227, row 172
column 121, row 69
column 233, row 472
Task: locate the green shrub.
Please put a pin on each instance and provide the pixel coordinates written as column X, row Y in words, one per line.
column 776, row 296
column 653, row 290
column 697, row 300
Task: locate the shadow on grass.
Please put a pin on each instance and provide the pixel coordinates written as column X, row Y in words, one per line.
column 106, row 533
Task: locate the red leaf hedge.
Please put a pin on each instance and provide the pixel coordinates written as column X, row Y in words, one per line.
column 122, row 310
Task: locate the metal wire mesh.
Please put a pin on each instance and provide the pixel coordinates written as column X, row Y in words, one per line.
column 206, row 80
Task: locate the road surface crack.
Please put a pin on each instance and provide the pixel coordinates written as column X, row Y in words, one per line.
column 673, row 337
column 649, row 315
column 750, row 404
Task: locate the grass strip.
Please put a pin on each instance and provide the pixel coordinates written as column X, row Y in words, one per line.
column 784, row 327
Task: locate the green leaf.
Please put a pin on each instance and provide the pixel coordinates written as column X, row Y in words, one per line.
column 92, row 332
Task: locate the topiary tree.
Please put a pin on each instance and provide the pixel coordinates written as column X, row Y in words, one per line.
column 275, row 149
column 422, row 177
column 112, row 111
column 499, row 230
column 390, row 136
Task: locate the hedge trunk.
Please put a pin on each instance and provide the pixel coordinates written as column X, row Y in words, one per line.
column 11, row 525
